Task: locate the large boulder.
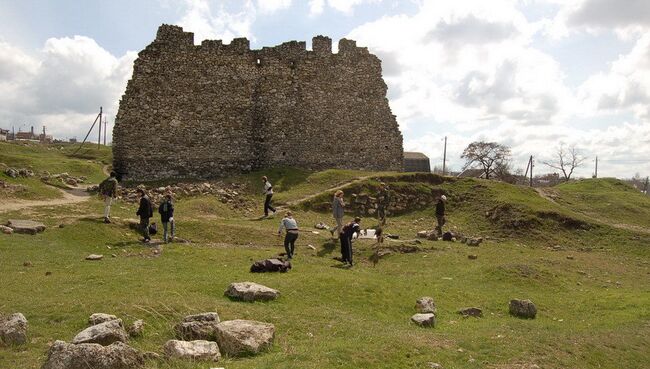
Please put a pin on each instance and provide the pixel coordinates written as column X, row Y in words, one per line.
column 270, row 265
column 425, row 305
column 25, row 226
column 244, row 337
column 249, row 291
column 91, row 355
column 424, row 320
column 198, row 327
column 103, row 333
column 194, row 350
column 98, row 318
column 523, row 309
column 13, row 329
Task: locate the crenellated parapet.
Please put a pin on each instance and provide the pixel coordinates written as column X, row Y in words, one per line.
column 201, row 111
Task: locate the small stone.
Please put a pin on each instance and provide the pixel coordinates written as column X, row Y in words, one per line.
column 103, row 333
column 113, row 255
column 13, row 329
column 136, row 328
column 244, row 337
column 6, row 230
column 425, row 305
column 61, row 225
column 249, row 291
column 432, row 365
column 472, row 257
column 523, row 309
column 471, row 311
column 48, row 273
column 94, row 257
column 99, row 318
column 311, row 247
column 192, row 350
column 424, row 320
column 27, row 264
column 570, row 257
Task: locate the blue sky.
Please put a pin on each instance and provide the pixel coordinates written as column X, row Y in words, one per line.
column 528, row 73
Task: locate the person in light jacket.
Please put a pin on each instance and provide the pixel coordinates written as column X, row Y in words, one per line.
column 338, row 209
column 291, row 226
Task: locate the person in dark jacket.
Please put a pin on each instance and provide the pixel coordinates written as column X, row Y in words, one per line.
column 108, row 191
column 346, row 240
column 166, row 210
column 440, row 214
column 145, row 211
column 383, row 200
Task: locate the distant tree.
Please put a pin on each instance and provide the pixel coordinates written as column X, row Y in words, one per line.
column 489, row 155
column 566, row 160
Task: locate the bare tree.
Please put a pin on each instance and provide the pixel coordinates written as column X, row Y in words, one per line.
column 490, row 155
column 566, row 160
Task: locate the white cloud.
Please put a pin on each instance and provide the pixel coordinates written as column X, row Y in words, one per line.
column 270, row 6
column 346, row 7
column 219, row 22
column 62, row 86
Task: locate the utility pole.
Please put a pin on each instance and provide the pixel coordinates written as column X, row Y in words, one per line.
column 99, row 140
column 444, row 158
column 596, row 172
column 645, row 186
column 104, row 131
column 531, row 171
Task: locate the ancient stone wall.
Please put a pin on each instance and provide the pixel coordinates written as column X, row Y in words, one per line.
column 201, row 111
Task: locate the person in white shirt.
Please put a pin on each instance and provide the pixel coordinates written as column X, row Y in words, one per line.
column 268, row 191
column 291, row 226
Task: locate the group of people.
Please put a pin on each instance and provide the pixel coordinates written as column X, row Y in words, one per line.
column 344, row 232
column 108, row 191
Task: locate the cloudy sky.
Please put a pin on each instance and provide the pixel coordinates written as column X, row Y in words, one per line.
column 526, row 73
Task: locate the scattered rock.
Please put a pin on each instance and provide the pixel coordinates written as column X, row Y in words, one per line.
column 471, row 311
column 432, row 365
column 270, row 265
column 474, row 242
column 244, row 337
column 423, row 234
column 523, row 309
column 94, row 257
column 48, row 273
column 136, row 328
column 13, row 329
column 193, row 350
column 61, row 225
column 311, row 247
column 6, row 230
column 425, row 305
column 472, row 256
column 11, row 172
column 28, row 264
column 103, row 333
column 25, row 226
column 393, row 236
column 424, row 320
column 249, row 291
column 198, row 327
column 91, row 355
column 320, row 226
column 570, row 257
column 99, row 318
column 447, row 236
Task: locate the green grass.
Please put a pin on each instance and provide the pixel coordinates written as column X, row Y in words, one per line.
column 53, row 158
column 594, row 309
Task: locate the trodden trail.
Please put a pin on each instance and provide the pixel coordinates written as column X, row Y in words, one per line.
column 70, row 196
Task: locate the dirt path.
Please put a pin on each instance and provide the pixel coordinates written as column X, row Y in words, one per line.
column 338, row 187
column 71, row 196
column 550, row 195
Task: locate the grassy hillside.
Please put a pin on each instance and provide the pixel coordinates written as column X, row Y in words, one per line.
column 53, row 158
column 593, row 294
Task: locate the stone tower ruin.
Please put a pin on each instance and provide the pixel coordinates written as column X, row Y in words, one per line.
column 202, row 111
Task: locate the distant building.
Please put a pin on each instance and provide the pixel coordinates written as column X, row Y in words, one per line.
column 31, row 136
column 471, row 173
column 3, row 134
column 416, row 162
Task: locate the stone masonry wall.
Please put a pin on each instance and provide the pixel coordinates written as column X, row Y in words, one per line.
column 202, row 111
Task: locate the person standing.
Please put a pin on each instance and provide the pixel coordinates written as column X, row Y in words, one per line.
column 346, row 239
column 338, row 209
column 145, row 211
column 108, row 190
column 383, row 199
column 440, row 214
column 268, row 191
column 291, row 227
column 166, row 210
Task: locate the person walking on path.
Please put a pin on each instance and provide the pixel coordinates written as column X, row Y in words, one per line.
column 440, row 214
column 383, row 199
column 166, row 210
column 145, row 211
column 268, row 191
column 346, row 240
column 338, row 209
column 291, row 226
column 108, row 190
